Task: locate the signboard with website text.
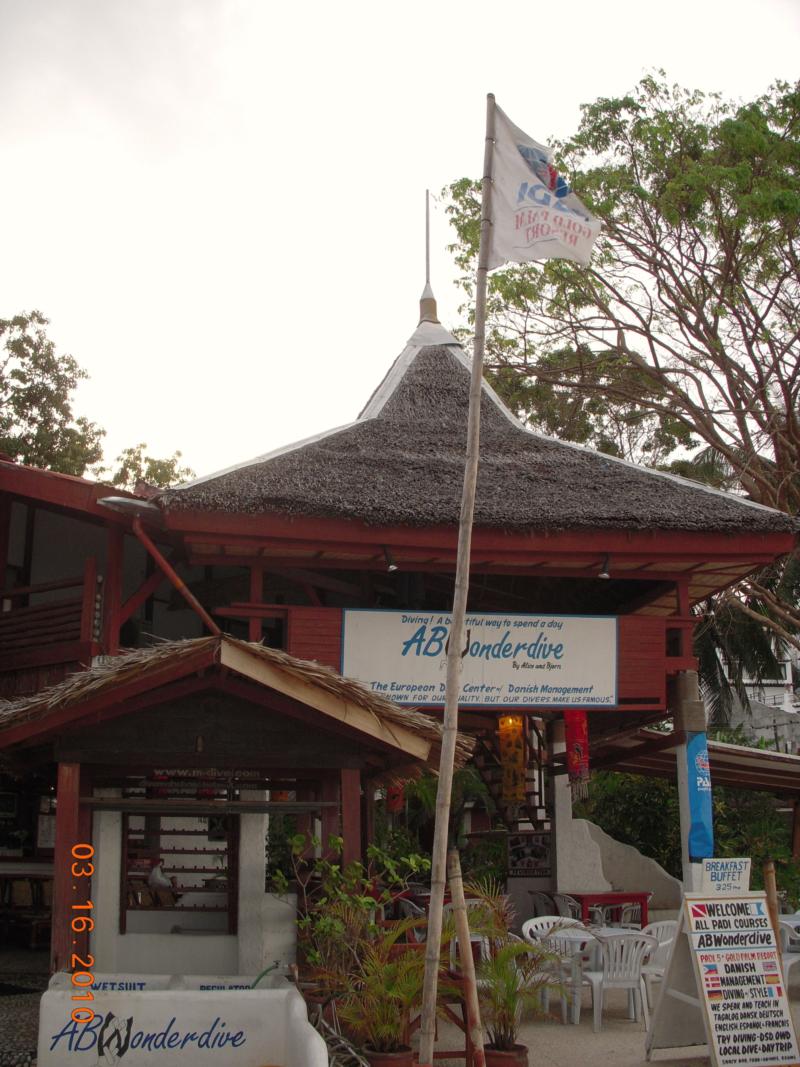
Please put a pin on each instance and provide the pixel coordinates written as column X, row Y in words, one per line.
column 725, row 960
column 508, row 660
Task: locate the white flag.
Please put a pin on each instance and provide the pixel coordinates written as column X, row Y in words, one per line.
column 536, row 215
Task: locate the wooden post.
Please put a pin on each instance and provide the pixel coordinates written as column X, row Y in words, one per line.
column 456, row 642
column 73, row 827
column 112, row 591
column 329, row 790
column 796, row 831
column 5, row 533
column 772, row 898
column 474, row 1029
column 350, row 792
column 254, row 625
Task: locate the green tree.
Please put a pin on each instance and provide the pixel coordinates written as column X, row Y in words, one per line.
column 37, row 425
column 134, row 467
column 643, row 812
column 683, row 337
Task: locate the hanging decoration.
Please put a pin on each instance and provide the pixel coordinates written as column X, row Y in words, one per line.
column 511, row 734
column 576, row 728
column 395, row 798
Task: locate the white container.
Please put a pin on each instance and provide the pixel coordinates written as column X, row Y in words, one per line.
column 144, row 1020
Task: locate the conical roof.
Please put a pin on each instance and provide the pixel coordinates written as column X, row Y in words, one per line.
column 402, row 462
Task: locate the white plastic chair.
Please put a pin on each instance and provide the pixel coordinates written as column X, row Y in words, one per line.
column 542, row 903
column 535, row 929
column 483, row 947
column 574, row 954
column 567, row 906
column 790, row 947
column 409, row 910
column 655, row 964
column 622, row 956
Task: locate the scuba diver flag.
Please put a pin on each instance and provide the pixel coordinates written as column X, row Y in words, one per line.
column 535, row 213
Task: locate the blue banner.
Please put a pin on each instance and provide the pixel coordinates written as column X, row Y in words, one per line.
column 701, row 829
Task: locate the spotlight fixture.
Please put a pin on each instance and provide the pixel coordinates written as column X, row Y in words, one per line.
column 390, row 563
column 604, row 569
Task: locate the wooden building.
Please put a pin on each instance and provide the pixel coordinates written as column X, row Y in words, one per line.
column 287, row 548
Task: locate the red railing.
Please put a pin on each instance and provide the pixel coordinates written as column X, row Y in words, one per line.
column 45, row 633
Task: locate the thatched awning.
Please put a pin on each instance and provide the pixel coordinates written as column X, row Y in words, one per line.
column 401, row 463
column 408, row 733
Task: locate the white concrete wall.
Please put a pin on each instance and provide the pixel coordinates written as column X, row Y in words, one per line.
column 267, row 930
column 588, row 860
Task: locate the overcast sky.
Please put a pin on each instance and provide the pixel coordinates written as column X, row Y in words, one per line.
column 219, row 204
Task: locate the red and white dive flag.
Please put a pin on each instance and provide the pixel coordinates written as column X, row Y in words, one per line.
column 535, row 213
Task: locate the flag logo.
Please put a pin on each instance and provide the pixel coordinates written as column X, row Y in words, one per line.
column 699, row 911
column 535, row 214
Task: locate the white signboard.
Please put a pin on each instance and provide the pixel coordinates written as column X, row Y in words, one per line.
column 725, row 877
column 508, row 661
column 739, row 970
column 724, row 986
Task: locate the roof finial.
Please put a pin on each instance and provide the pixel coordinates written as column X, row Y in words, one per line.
column 427, row 303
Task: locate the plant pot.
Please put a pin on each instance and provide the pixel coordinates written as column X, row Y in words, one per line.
column 404, row 1057
column 516, row 1057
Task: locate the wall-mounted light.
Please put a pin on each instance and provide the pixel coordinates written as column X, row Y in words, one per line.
column 604, row 569
column 390, row 563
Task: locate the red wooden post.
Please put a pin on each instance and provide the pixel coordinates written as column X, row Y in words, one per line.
column 254, row 625
column 73, row 827
column 329, row 791
column 89, row 605
column 112, row 596
column 351, row 814
column 5, row 530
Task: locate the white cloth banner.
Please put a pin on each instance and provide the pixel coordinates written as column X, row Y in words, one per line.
column 535, row 213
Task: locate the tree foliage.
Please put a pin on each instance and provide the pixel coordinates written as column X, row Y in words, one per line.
column 643, row 812
column 135, row 468
column 691, row 310
column 680, row 345
column 37, row 425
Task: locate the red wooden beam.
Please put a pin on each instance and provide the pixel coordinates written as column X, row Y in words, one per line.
column 60, row 490
column 178, row 582
column 143, row 593
column 350, row 792
column 89, row 600
column 68, row 887
column 224, row 527
column 112, row 591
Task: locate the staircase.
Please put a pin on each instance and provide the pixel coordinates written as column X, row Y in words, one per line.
column 532, row 813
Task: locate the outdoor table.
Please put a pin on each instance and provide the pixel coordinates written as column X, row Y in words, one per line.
column 588, row 900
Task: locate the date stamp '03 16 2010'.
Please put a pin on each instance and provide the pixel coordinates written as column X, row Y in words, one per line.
column 82, row 977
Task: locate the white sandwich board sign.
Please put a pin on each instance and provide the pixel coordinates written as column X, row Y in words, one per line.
column 724, row 986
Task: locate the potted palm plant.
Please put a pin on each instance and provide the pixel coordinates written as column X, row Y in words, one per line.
column 379, row 994
column 511, row 983
column 512, row 977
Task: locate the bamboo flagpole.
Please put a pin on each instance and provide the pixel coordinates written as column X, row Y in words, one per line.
column 457, row 627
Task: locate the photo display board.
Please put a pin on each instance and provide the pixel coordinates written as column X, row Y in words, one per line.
column 508, row 661
column 726, row 966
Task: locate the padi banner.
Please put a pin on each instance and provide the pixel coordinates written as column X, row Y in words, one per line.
column 508, row 661
column 701, row 828
column 535, row 213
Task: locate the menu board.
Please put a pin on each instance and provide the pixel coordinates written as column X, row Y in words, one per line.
column 740, row 981
column 723, row 986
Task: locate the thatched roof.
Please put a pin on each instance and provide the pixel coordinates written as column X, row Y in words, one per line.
column 154, row 662
column 401, row 463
